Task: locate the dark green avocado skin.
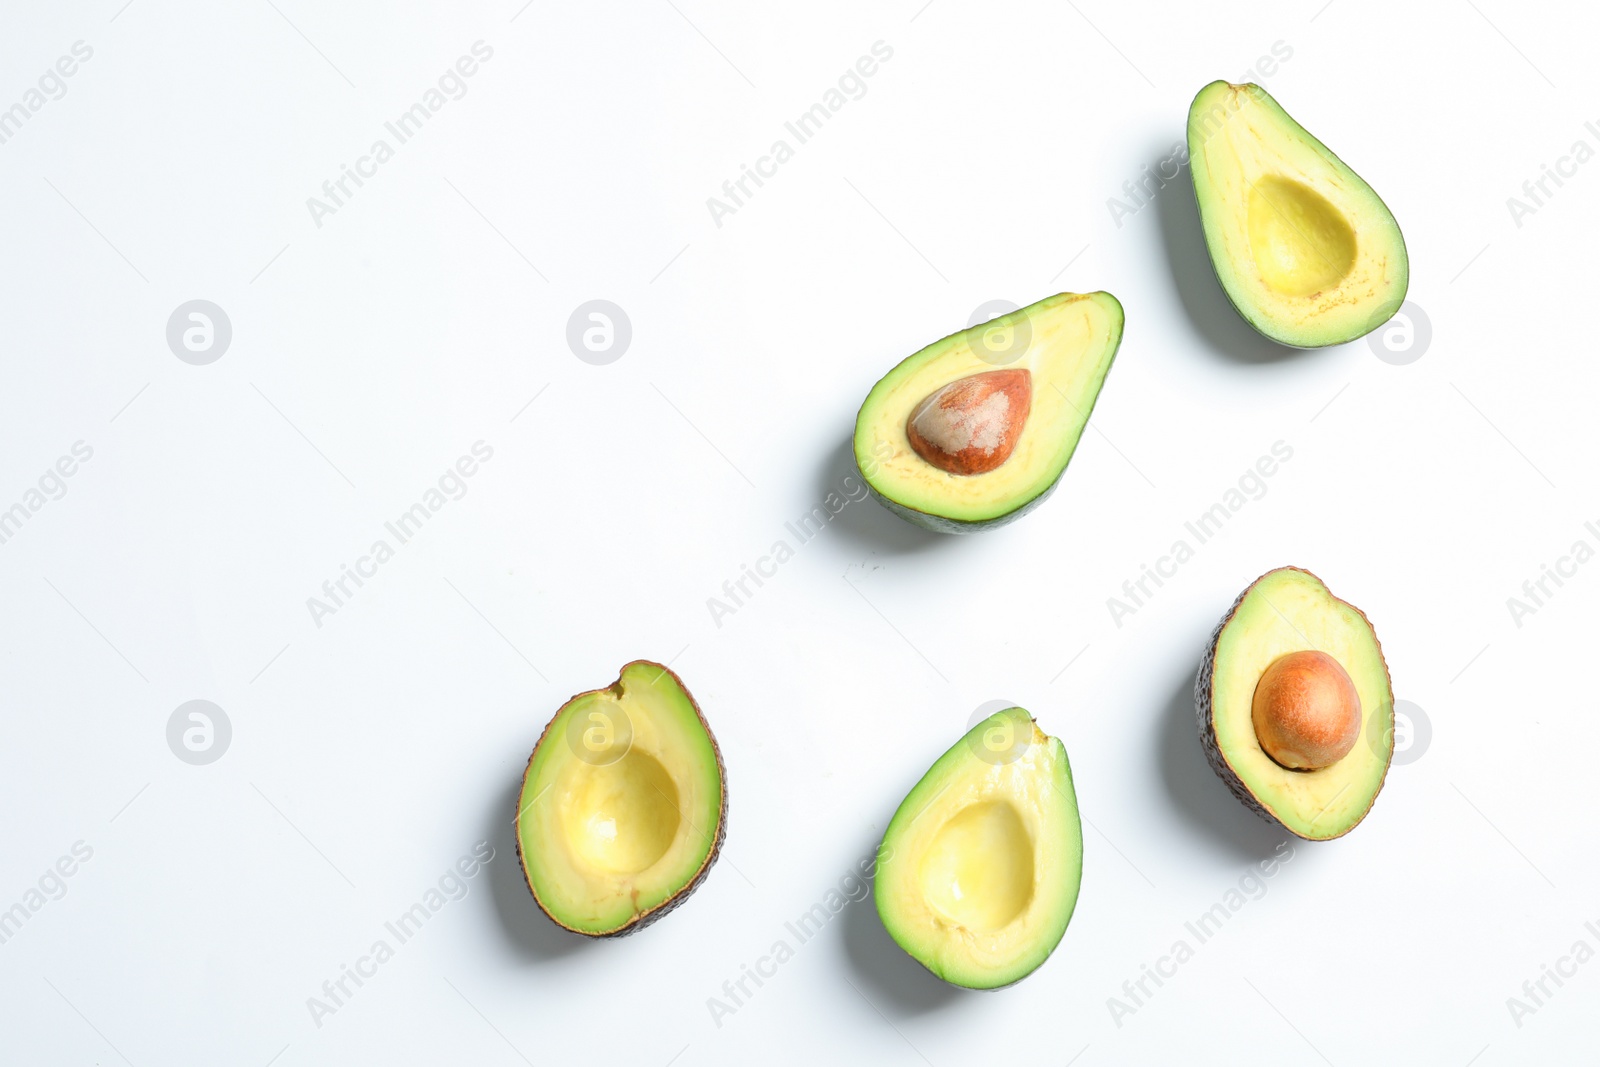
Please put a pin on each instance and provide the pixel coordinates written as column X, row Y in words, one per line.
column 1208, row 726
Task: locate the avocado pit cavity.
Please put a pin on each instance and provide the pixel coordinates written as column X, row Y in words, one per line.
column 1306, row 711
column 971, row 425
column 1301, row 243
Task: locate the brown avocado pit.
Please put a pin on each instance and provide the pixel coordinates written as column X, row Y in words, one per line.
column 1306, row 711
column 971, row 425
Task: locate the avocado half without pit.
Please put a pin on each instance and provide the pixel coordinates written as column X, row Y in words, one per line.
column 623, row 805
column 1295, row 707
column 1306, row 251
column 979, row 870
column 975, row 430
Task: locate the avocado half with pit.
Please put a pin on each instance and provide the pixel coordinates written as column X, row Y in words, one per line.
column 979, row 870
column 1295, row 707
column 1306, row 251
column 623, row 805
column 975, row 430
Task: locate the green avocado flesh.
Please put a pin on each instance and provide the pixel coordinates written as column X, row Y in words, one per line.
column 1066, row 342
column 623, row 804
column 1307, row 252
column 1284, row 611
column 978, row 872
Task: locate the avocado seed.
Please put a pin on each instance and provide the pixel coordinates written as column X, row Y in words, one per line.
column 1306, row 711
column 971, row 425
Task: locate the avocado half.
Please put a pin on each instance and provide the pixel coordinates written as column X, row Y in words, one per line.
column 623, row 806
column 1046, row 363
column 1309, row 255
column 978, row 872
column 1288, row 613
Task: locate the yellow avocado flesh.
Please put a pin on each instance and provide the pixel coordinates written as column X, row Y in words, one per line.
column 1286, row 611
column 1067, row 343
column 622, row 802
column 979, row 870
column 1305, row 250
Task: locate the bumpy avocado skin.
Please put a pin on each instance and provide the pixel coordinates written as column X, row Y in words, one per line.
column 1208, row 729
column 1208, row 726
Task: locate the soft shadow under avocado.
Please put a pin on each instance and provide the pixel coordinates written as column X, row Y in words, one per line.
column 865, row 523
column 1195, row 791
column 529, row 930
column 1204, row 303
column 896, row 984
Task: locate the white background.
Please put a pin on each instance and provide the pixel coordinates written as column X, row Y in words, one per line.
column 370, row 753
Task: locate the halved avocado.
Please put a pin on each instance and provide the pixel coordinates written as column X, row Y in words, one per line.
column 1305, row 250
column 1274, row 699
column 623, row 804
column 979, row 870
column 1017, row 392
